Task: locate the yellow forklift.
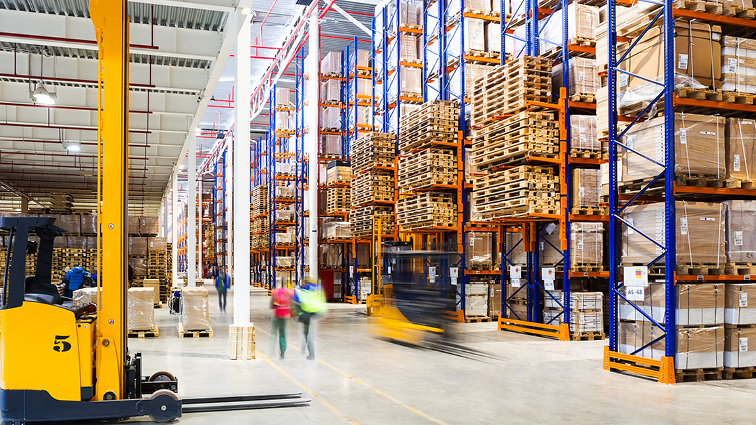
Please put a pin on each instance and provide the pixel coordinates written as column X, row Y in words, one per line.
column 58, row 363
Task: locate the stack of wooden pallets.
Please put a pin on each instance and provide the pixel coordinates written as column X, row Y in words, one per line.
column 373, row 159
column 429, row 166
column 509, row 142
column 259, row 214
column 361, row 220
column 426, row 210
column 515, row 192
column 338, row 200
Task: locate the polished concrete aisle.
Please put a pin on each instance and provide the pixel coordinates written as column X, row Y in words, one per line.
column 358, row 379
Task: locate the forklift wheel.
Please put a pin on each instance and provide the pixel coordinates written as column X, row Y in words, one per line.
column 159, row 394
column 161, row 376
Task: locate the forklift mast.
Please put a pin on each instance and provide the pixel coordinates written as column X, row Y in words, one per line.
column 111, row 29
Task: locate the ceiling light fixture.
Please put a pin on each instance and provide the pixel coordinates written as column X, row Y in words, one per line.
column 41, row 95
column 72, row 146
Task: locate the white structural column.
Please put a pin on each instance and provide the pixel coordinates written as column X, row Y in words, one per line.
column 242, row 183
column 229, row 208
column 174, row 226
column 311, row 142
column 191, row 219
column 200, row 236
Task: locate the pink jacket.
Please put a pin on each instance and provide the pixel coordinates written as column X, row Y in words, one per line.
column 281, row 303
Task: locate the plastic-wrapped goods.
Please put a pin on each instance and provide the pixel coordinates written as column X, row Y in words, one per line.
column 494, row 299
column 137, row 245
column 283, row 97
column 154, row 284
column 408, row 13
column 473, row 72
column 739, row 347
column 284, row 238
column 84, row 296
column 741, row 231
column 696, row 304
column 515, row 249
column 583, row 77
column 138, row 266
column 586, row 187
column 549, row 247
column 330, row 65
column 330, row 256
column 73, row 221
column 141, row 315
column 476, row 305
column 330, row 119
column 493, row 37
column 362, row 115
column 363, row 57
column 698, row 58
column 364, row 89
column 284, row 215
column 89, row 224
column 408, row 47
column 580, row 321
column 132, row 224
column 699, row 147
column 330, row 91
column 282, row 121
column 583, row 20
column 699, row 233
column 740, row 304
column 330, row 145
column 475, row 37
column 696, row 347
column 285, row 192
column 480, row 249
column 738, row 65
column 472, row 5
column 285, row 261
column 337, row 230
column 587, row 245
column 194, row 309
column 411, row 80
column 741, row 147
column 583, row 133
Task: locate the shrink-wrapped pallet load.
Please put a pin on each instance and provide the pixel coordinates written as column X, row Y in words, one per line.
column 141, row 312
column 194, row 309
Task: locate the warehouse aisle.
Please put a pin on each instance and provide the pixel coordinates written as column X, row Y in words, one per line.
column 362, row 380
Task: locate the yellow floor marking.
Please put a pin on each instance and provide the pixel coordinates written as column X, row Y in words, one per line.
column 377, row 391
column 303, row 387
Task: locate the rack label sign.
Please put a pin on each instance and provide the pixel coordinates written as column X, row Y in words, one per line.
column 742, row 344
column 515, row 283
column 636, row 293
column 515, row 272
column 743, row 299
column 636, row 276
column 453, row 272
column 432, row 274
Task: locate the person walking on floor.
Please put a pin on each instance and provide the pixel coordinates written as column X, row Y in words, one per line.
column 310, row 302
column 222, row 284
column 280, row 302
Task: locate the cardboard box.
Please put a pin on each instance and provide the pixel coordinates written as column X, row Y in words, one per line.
column 698, row 56
column 408, row 47
column 583, row 134
column 138, row 245
column 739, row 64
column 154, row 284
column 586, row 187
column 549, row 248
column 696, row 347
column 493, row 36
column 411, row 80
column 476, row 305
column 138, row 266
column 363, row 57
column 583, row 77
column 697, row 304
column 339, row 174
column 331, row 64
column 330, row 145
column 494, row 299
column 740, row 146
column 587, row 245
column 330, row 91
column 583, row 21
column 741, row 231
column 517, row 311
column 739, row 347
column 157, row 244
column 141, row 313
column 740, row 304
column 195, row 315
column 699, row 236
column 283, row 97
column 699, row 147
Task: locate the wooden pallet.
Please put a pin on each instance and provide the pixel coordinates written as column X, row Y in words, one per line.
column 700, row 6
column 589, row 210
column 740, row 269
column 587, row 336
column 739, row 372
column 194, row 334
column 700, row 270
column 698, row 375
column 587, row 267
column 738, row 184
column 588, row 153
column 148, row 333
column 477, row 319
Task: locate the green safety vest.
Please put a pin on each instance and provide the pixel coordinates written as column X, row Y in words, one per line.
column 312, row 301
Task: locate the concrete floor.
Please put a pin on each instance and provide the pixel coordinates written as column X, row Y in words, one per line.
column 362, row 380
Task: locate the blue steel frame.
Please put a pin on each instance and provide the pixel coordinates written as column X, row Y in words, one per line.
column 616, row 221
column 434, row 33
column 300, row 170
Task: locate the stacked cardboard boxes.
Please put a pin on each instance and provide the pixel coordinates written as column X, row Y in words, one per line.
column 586, row 313
column 195, row 315
column 587, row 247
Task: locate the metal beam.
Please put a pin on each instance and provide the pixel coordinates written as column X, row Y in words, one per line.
column 351, row 19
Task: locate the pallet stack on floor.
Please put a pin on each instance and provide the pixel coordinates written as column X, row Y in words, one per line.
column 506, row 185
column 428, row 143
column 259, row 214
column 586, row 313
column 372, row 191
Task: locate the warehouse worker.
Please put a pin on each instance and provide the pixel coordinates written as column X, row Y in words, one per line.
column 280, row 302
column 310, row 302
column 75, row 279
column 222, row 284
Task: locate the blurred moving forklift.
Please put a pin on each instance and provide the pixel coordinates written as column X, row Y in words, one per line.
column 410, row 305
column 62, row 364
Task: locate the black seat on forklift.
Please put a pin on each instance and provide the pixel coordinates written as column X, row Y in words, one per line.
column 35, row 285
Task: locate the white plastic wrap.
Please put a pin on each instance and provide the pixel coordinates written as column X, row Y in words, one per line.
column 141, row 314
column 195, row 315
